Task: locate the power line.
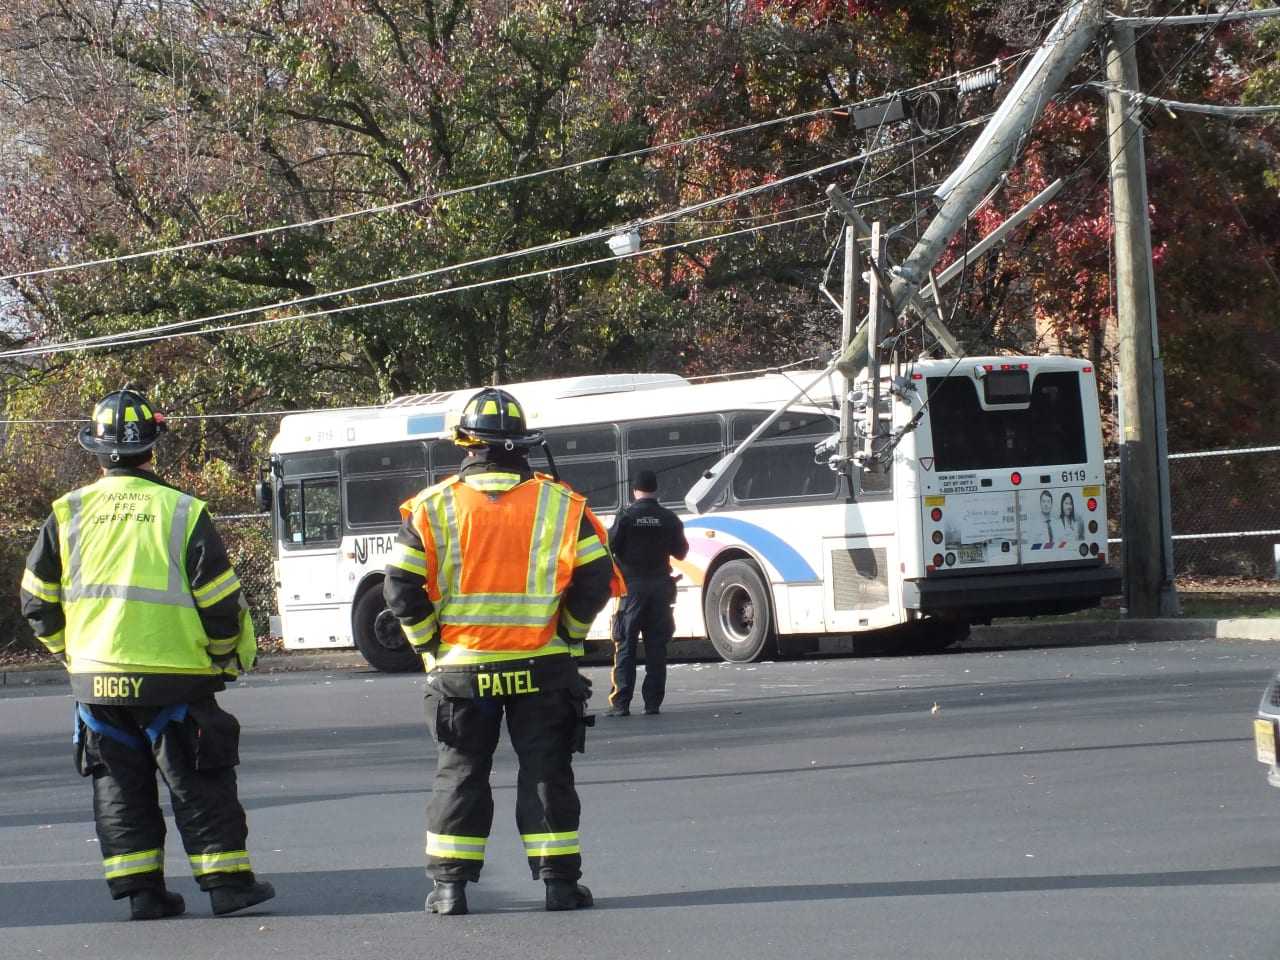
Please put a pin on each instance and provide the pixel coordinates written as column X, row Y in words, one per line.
column 1212, row 109
column 428, row 294
column 128, row 337
column 490, row 184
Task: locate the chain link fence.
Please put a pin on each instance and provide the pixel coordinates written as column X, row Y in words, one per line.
column 248, row 540
column 1225, row 514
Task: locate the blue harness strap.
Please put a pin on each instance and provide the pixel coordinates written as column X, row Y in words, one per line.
column 174, row 714
column 107, row 730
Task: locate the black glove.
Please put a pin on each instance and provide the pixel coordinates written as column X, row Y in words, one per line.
column 229, row 664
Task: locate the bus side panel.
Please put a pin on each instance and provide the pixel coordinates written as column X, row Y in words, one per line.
column 862, row 593
column 316, row 627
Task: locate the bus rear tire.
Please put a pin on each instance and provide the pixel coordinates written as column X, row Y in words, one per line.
column 379, row 637
column 935, row 635
column 738, row 613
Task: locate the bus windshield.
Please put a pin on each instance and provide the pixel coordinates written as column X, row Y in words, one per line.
column 1048, row 432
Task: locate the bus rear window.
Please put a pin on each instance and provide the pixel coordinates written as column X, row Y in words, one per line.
column 966, row 437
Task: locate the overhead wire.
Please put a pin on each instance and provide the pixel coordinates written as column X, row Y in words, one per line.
column 443, row 291
column 486, row 185
column 196, row 325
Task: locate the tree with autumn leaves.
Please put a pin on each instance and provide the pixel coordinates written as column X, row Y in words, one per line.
column 159, row 124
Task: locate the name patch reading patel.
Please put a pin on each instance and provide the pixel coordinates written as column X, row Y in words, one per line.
column 503, row 684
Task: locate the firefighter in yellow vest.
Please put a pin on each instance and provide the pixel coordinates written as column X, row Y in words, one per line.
column 130, row 585
column 496, row 577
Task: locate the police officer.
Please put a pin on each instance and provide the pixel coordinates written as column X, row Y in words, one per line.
column 496, row 577
column 645, row 535
column 129, row 583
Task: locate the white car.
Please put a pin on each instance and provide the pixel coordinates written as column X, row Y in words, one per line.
column 1264, row 729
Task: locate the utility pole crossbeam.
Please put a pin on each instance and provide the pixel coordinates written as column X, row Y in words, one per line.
column 1148, row 580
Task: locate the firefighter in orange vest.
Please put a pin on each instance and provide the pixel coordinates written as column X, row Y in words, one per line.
column 496, row 577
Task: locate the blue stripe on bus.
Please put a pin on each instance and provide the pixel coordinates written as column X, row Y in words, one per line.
column 776, row 551
column 425, row 423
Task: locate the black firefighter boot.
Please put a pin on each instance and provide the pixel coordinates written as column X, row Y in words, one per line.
column 448, row 898
column 232, row 898
column 567, row 895
column 154, row 903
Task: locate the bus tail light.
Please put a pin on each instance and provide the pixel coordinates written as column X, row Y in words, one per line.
column 936, row 514
column 1092, row 503
column 937, row 560
column 1015, row 478
column 937, row 536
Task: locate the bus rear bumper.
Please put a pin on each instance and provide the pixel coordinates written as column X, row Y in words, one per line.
column 1012, row 594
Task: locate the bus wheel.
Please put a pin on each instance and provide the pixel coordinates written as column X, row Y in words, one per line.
column 379, row 637
column 738, row 614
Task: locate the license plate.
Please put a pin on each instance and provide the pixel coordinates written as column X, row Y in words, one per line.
column 973, row 552
column 1264, row 739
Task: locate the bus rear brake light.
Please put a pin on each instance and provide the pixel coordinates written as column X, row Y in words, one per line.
column 936, row 514
column 1092, row 503
column 1015, row 478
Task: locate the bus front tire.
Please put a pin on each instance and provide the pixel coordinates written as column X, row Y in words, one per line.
column 738, row 613
column 379, row 637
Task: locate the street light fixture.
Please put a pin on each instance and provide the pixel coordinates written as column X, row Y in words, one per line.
column 625, row 242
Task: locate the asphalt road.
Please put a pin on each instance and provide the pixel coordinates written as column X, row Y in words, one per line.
column 1090, row 802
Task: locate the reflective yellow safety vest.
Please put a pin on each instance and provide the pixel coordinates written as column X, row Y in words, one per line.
column 125, row 592
column 496, row 566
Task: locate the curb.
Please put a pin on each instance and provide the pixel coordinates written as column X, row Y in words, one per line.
column 1000, row 636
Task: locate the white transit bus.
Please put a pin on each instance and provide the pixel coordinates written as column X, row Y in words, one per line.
column 992, row 502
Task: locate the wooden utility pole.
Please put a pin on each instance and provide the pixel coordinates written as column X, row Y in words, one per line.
column 1148, row 573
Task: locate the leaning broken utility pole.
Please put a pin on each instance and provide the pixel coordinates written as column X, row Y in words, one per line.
column 962, row 192
column 959, row 197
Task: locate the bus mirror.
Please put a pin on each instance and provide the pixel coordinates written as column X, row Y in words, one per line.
column 703, row 494
column 262, row 495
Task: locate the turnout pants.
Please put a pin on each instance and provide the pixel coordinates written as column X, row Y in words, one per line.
column 645, row 612
column 544, row 727
column 195, row 747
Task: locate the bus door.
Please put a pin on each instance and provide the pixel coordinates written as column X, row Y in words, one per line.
column 309, row 525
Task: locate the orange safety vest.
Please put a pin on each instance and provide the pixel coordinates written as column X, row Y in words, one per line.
column 497, row 564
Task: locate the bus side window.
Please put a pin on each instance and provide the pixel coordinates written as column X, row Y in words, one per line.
column 782, row 471
column 876, row 483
